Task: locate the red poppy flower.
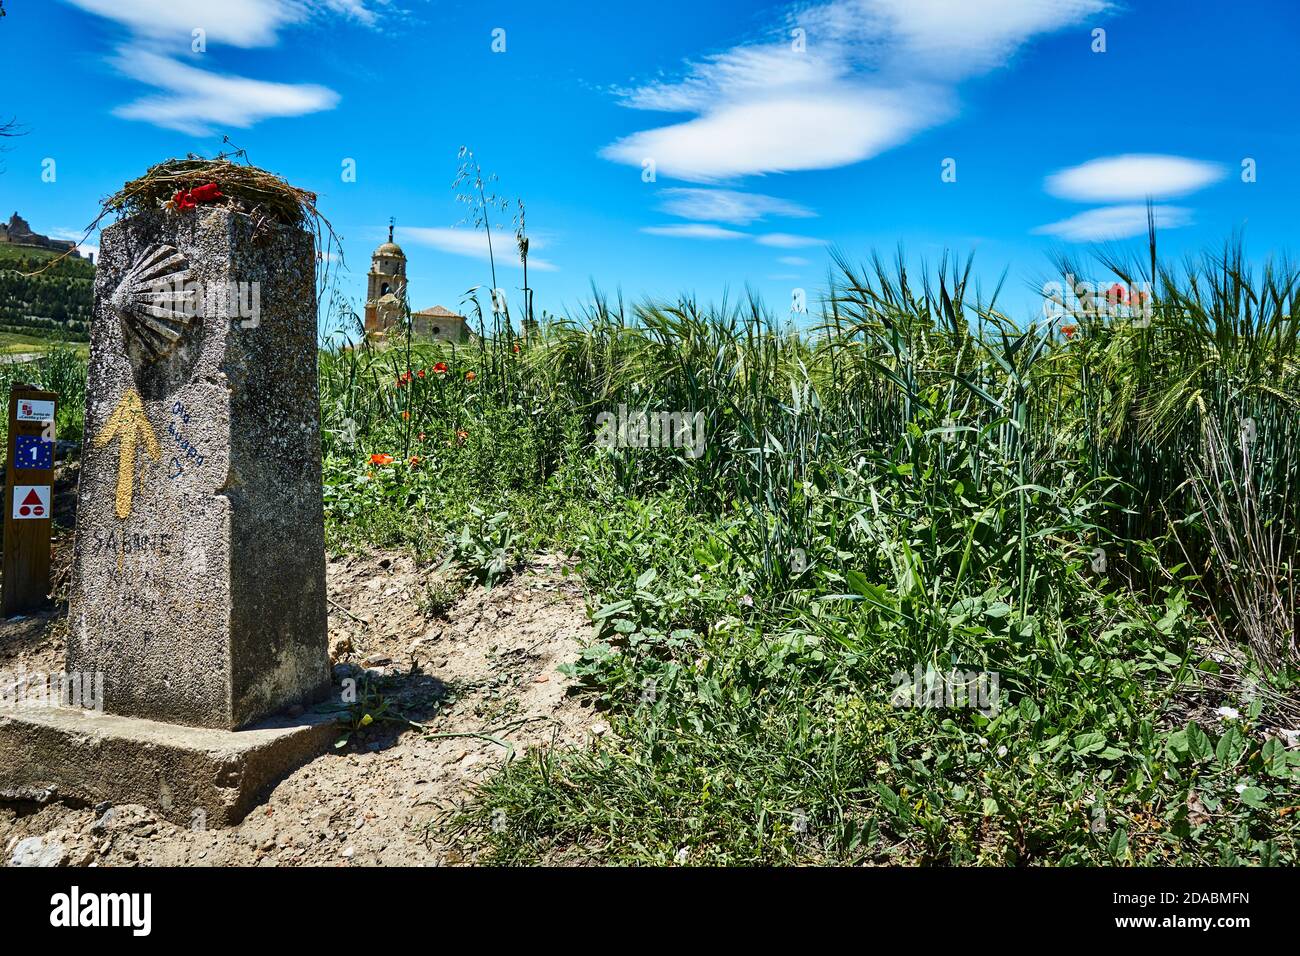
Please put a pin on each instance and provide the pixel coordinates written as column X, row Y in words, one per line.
column 516, row 347
column 210, row 192
column 1069, row 330
column 461, row 435
column 440, row 368
column 420, row 373
column 188, row 198
column 381, row 459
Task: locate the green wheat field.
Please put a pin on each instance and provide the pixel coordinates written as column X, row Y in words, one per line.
column 1095, row 513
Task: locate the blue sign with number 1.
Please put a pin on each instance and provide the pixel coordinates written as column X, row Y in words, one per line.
column 33, row 451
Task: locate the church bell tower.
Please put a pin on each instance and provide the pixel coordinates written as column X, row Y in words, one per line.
column 385, row 286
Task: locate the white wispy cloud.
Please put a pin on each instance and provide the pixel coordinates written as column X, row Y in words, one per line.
column 948, row 38
column 193, row 99
column 694, row 230
column 800, row 130
column 786, row 240
column 873, row 73
column 240, row 23
column 1133, row 176
column 473, row 244
column 729, row 205
column 793, row 261
column 1115, row 222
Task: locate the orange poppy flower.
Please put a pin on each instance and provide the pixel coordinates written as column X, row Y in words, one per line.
column 381, row 459
column 414, row 461
column 405, row 415
column 1069, row 330
column 470, row 376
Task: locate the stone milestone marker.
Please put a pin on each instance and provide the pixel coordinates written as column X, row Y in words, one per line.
column 199, row 567
column 198, row 599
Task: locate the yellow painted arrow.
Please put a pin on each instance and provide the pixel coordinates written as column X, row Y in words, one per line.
column 128, row 422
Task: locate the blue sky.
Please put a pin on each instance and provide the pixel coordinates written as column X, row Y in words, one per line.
column 776, row 130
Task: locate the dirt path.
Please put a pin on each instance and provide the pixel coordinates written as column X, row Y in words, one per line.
column 485, row 665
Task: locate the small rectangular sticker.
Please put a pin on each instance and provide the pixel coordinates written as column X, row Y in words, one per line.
column 33, row 451
column 32, row 410
column 31, row 502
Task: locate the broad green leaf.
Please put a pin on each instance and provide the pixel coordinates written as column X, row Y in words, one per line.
column 1254, row 797
column 888, row 797
column 1177, row 743
column 1273, row 755
column 1089, row 742
column 1198, row 742
column 1230, row 749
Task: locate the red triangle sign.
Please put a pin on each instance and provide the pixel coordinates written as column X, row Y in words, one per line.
column 32, row 498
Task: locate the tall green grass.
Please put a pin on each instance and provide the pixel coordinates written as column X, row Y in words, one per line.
column 919, row 480
column 1103, row 517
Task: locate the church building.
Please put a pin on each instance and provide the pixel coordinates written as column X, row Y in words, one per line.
column 385, row 289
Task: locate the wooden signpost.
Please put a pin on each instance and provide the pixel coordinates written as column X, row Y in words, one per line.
column 29, row 498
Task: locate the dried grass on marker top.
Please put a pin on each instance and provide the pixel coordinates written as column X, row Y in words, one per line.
column 247, row 189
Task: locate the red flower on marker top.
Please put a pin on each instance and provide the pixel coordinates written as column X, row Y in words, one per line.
column 210, row 192
column 189, row 198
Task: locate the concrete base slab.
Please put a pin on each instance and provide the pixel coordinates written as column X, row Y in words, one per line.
column 190, row 775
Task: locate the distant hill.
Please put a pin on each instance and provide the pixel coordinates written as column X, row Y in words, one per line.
column 55, row 304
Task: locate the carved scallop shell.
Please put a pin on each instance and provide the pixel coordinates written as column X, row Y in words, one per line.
column 153, row 302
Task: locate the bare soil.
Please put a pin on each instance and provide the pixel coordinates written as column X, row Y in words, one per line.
column 457, row 680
